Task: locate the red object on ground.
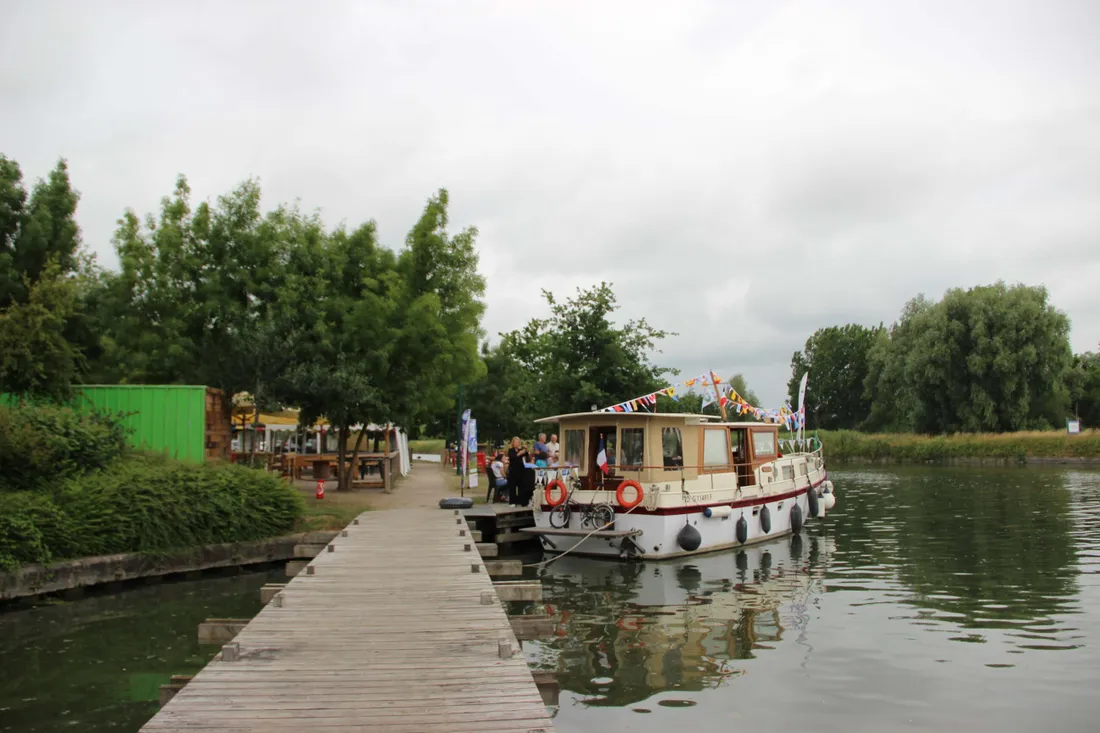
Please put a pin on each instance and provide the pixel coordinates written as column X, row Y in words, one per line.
column 481, row 460
column 321, row 489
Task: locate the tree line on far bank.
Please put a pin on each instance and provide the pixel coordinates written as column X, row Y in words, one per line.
column 223, row 294
column 987, row 359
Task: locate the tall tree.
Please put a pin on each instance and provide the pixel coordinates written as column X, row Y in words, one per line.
column 37, row 231
column 991, row 358
column 438, row 321
column 837, row 359
column 344, row 293
column 1084, row 383
column 36, row 358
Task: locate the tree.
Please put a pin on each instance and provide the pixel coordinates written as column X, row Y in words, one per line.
column 36, row 359
column 437, row 324
column 344, row 293
column 41, row 283
column 35, row 234
column 738, row 384
column 1084, row 384
column 991, row 358
column 583, row 359
column 837, row 359
column 568, row 362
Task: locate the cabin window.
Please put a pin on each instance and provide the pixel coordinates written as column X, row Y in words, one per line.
column 763, row 443
column 716, row 450
column 788, row 472
column 802, row 469
column 672, row 447
column 610, row 441
column 574, row 447
column 633, row 447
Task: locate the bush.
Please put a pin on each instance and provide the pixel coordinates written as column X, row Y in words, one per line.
column 40, row 443
column 1010, row 447
column 144, row 504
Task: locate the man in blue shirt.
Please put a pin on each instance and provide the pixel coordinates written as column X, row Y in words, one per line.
column 542, row 453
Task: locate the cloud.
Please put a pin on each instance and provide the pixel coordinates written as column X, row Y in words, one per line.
column 744, row 173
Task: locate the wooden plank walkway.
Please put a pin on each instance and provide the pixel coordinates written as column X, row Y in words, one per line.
column 392, row 631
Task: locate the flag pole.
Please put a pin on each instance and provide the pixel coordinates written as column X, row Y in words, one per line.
column 718, row 397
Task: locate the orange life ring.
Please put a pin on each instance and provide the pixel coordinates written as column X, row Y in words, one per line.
column 622, row 501
column 556, row 483
column 629, row 624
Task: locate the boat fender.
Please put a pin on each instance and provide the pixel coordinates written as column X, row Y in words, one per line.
column 742, row 561
column 742, row 530
column 812, row 494
column 796, row 518
column 765, row 519
column 558, row 499
column 689, row 539
column 456, row 502
column 830, row 496
column 620, row 494
column 717, row 511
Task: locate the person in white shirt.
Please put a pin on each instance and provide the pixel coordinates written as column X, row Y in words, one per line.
column 554, row 450
column 497, row 467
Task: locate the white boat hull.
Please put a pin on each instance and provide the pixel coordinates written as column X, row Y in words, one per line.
column 658, row 532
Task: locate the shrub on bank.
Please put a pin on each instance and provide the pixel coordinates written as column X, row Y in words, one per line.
column 40, row 443
column 1020, row 446
column 144, row 504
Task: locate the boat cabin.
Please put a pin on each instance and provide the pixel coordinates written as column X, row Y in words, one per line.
column 662, row 447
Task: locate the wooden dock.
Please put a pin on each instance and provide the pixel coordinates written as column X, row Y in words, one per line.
column 395, row 627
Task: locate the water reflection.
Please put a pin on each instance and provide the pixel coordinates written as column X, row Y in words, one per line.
column 916, row 569
column 97, row 664
column 627, row 630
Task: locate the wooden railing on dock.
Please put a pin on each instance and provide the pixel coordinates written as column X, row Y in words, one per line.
column 397, row 628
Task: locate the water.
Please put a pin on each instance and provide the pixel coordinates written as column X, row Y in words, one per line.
column 930, row 599
column 97, row 664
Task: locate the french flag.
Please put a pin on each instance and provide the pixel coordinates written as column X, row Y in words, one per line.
column 601, row 457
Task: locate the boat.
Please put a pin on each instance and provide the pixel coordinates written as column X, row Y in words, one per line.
column 647, row 485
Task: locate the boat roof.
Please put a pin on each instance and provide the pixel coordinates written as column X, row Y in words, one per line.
column 686, row 417
column 749, row 424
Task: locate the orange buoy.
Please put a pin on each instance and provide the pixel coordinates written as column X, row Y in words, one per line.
column 620, row 494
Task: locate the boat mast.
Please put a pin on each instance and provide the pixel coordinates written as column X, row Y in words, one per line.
column 718, row 397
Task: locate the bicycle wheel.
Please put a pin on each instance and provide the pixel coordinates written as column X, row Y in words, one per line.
column 559, row 516
column 602, row 516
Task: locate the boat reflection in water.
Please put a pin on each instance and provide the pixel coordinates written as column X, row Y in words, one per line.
column 627, row 631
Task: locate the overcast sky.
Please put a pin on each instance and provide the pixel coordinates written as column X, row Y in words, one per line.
column 743, row 172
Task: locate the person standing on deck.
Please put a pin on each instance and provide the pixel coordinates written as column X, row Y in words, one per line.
column 517, row 456
column 499, row 480
column 542, row 453
column 555, row 450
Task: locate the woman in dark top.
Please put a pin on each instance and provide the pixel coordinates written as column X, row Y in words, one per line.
column 517, row 474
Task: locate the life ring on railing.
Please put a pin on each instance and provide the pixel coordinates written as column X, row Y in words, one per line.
column 549, row 493
column 637, row 490
column 629, row 624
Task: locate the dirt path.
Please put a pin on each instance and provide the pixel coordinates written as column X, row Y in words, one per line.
column 425, row 485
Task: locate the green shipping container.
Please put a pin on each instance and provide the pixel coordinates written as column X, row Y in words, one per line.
column 186, row 422
column 163, row 419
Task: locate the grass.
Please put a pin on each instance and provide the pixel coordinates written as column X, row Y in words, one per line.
column 435, row 445
column 1009, row 447
column 335, row 511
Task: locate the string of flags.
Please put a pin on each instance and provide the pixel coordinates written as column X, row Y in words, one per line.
column 727, row 397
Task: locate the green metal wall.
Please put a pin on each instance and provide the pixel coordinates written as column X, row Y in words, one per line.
column 165, row 419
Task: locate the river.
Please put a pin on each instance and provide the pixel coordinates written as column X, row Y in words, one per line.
column 929, row 599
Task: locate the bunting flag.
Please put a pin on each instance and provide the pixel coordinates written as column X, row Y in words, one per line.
column 727, row 398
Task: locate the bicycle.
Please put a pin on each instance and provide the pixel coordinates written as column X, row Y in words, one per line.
column 595, row 516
